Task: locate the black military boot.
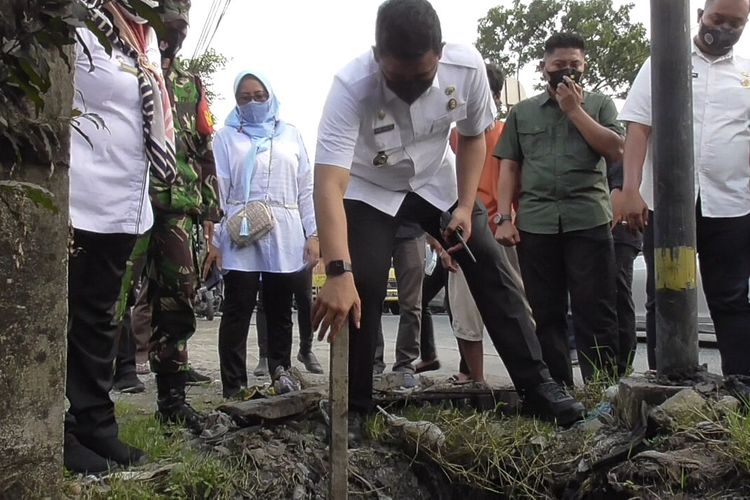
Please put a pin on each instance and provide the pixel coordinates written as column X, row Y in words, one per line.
column 171, row 405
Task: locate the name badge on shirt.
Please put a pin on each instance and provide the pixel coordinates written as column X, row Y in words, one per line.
column 384, row 128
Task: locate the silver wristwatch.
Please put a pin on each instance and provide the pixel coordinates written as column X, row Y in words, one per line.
column 500, row 218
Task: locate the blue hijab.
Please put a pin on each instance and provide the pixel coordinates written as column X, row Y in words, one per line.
column 257, row 120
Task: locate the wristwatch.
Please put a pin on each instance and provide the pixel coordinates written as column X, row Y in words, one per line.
column 500, row 218
column 338, row 267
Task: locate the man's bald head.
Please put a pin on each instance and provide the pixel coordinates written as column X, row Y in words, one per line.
column 745, row 3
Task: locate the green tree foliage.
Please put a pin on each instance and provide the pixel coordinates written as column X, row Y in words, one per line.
column 615, row 47
column 206, row 66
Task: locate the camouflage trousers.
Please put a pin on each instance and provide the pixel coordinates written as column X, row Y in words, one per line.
column 167, row 250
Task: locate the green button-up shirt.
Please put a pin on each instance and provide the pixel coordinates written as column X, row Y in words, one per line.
column 563, row 180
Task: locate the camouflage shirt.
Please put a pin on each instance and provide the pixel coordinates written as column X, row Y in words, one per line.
column 195, row 190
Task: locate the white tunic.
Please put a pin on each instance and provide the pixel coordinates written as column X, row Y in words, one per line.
column 109, row 181
column 721, row 133
column 363, row 117
column 289, row 195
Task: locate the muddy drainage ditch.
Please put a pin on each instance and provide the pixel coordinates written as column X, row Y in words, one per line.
column 444, row 442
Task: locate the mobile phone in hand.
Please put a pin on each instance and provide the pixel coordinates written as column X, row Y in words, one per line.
column 456, row 238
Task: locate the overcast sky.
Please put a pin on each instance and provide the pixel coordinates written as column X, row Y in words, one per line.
column 299, row 47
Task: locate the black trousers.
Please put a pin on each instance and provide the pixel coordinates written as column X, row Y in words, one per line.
column 724, row 251
column 431, row 286
column 625, row 254
column 302, row 292
column 95, row 271
column 500, row 301
column 581, row 263
column 240, row 296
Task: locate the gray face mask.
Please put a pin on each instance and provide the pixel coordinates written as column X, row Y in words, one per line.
column 718, row 41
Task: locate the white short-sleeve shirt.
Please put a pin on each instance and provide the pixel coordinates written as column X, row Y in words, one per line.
column 109, row 177
column 363, row 118
column 721, row 132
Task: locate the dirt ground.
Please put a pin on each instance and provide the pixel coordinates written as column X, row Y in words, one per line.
column 491, row 454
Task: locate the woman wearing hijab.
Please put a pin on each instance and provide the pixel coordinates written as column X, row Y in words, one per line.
column 109, row 208
column 260, row 158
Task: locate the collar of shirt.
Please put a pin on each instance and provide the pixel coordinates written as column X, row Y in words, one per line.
column 698, row 52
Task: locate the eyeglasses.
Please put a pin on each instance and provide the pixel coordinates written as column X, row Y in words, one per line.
column 259, row 96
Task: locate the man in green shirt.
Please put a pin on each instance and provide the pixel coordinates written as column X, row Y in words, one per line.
column 553, row 152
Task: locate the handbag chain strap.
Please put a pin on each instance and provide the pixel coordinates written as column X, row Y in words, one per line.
column 270, row 162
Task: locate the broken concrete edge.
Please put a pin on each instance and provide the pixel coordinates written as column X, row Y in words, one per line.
column 639, row 397
column 283, row 406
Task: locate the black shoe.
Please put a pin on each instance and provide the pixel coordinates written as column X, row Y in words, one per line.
column 77, row 458
column 112, row 448
column 195, row 378
column 550, row 401
column 128, row 384
column 310, row 361
column 180, row 414
column 427, row 366
column 356, row 430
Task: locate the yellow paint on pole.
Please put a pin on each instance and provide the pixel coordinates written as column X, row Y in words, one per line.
column 675, row 268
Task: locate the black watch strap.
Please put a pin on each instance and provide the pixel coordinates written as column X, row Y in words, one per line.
column 338, row 267
column 500, row 218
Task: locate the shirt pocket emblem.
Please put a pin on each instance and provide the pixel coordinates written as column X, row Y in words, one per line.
column 443, row 122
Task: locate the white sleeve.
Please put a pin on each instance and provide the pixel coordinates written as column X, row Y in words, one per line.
column 305, row 190
column 339, row 128
column 223, row 172
column 479, row 105
column 637, row 107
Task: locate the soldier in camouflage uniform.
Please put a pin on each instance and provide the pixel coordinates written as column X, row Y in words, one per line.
column 171, row 266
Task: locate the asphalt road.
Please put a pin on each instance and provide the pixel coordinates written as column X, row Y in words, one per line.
column 203, row 350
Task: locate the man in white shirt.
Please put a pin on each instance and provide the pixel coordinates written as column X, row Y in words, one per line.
column 721, row 140
column 383, row 157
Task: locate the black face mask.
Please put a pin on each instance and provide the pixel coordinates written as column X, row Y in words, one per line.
column 171, row 44
column 409, row 91
column 718, row 41
column 556, row 77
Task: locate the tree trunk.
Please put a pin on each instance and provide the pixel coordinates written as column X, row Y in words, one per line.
column 33, row 313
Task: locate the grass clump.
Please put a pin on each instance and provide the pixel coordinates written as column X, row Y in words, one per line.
column 508, row 455
column 192, row 474
column 738, row 428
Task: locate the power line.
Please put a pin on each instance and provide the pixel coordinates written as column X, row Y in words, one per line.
column 208, row 21
column 211, row 25
column 204, row 29
column 221, row 17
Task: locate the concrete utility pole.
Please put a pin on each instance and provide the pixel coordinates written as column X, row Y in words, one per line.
column 674, row 191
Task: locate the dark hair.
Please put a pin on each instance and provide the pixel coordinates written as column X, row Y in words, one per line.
column 496, row 78
column 564, row 41
column 407, row 29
